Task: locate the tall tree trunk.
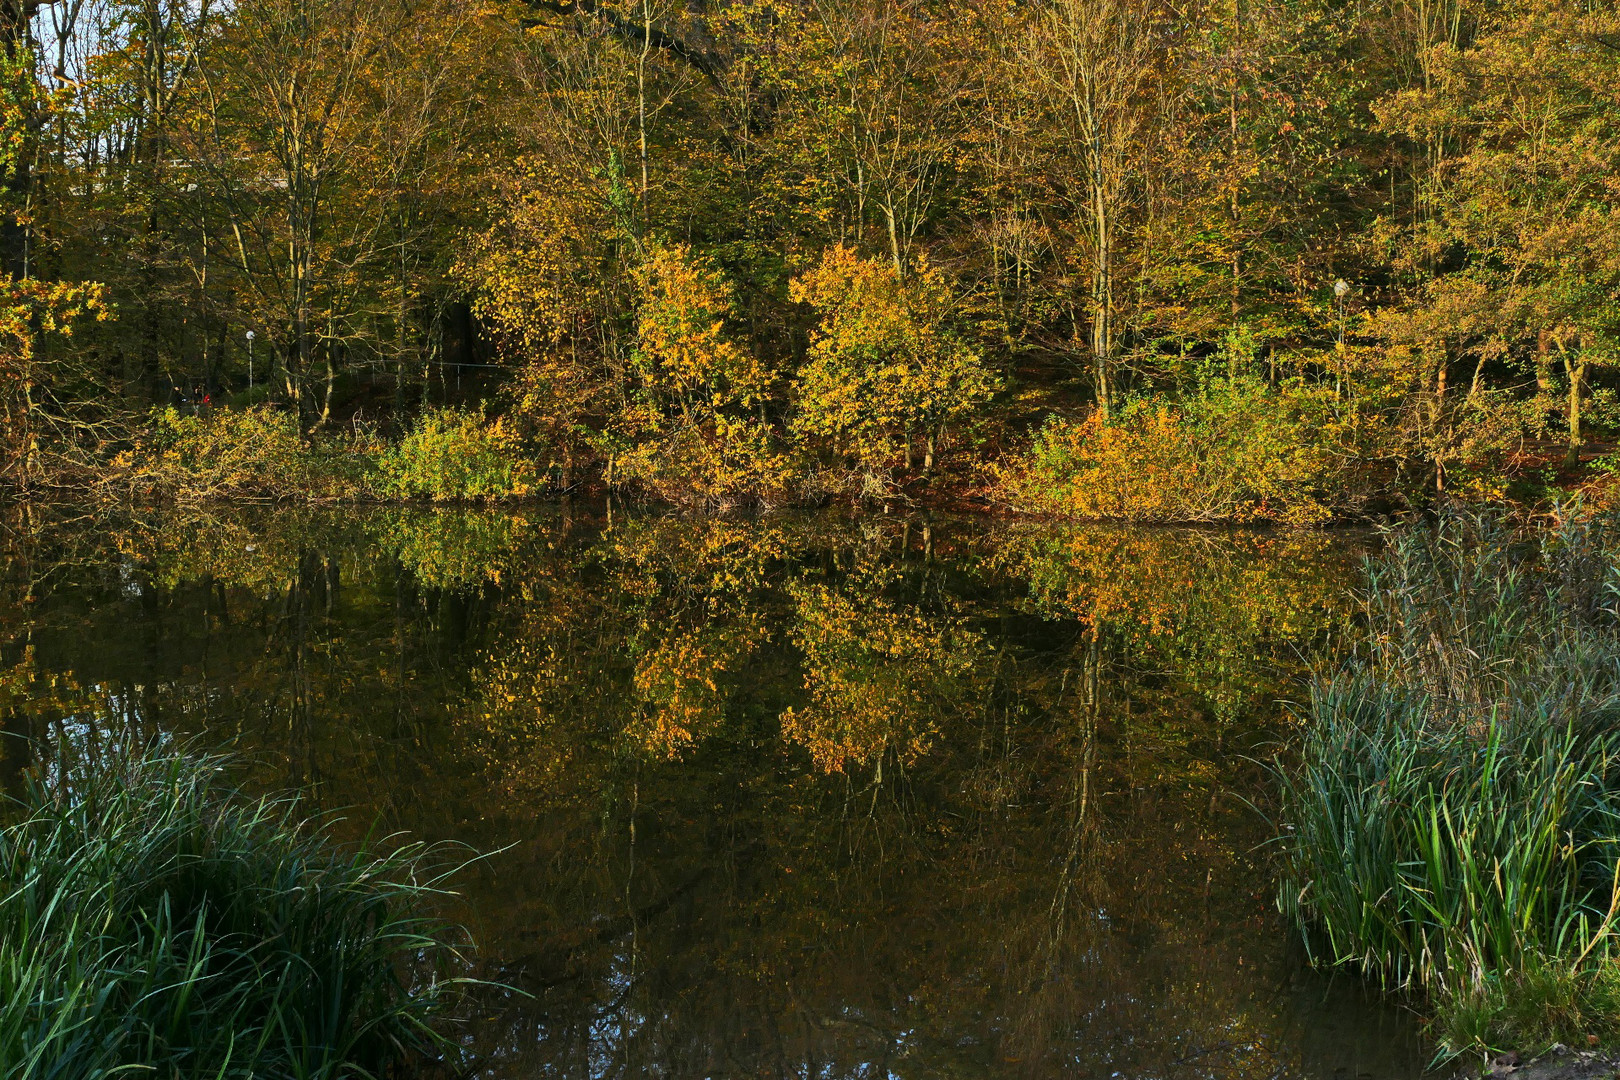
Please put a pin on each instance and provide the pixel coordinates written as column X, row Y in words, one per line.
column 1102, row 297
column 1575, row 370
column 894, row 241
column 641, row 108
column 1544, row 385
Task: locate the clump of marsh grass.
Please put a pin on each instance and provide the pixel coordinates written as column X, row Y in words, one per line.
column 154, row 919
column 1452, row 823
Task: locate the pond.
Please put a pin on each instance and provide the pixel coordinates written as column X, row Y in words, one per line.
column 806, row 797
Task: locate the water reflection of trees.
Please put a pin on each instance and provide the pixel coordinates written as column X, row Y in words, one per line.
column 789, row 797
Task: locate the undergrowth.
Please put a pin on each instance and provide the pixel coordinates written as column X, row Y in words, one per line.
column 453, row 454
column 259, row 453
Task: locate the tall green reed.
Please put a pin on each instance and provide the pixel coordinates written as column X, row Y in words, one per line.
column 152, row 918
column 1452, row 821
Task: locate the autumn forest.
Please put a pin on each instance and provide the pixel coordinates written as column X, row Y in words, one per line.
column 809, row 538
column 1284, row 260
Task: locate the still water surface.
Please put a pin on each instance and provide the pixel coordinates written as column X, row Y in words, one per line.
column 793, row 797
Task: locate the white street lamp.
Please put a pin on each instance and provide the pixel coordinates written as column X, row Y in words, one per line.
column 250, row 360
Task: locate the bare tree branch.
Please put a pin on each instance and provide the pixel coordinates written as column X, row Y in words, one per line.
column 710, row 63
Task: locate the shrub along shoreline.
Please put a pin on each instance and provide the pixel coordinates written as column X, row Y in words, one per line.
column 258, row 453
column 1240, row 451
column 153, row 918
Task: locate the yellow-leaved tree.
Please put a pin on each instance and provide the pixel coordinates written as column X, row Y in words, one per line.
column 38, row 389
column 884, row 369
column 695, row 427
column 47, row 396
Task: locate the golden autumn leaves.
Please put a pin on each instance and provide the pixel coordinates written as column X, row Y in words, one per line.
column 689, row 411
column 883, row 364
column 31, row 380
column 691, row 633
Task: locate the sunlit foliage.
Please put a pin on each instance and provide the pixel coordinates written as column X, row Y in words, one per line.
column 1239, row 451
column 778, row 251
column 696, row 425
column 453, row 454
column 248, row 454
column 884, row 367
column 43, row 385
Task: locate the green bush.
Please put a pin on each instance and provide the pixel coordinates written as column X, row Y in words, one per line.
column 153, row 920
column 259, row 453
column 1238, row 451
column 252, row 453
column 453, row 454
column 1453, row 821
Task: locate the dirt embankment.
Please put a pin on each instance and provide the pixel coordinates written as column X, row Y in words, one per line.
column 1558, row 1063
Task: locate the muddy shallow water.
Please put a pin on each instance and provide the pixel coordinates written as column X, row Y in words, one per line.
column 790, row 797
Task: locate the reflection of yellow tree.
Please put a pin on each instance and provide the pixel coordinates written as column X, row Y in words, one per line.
column 721, row 561
column 983, row 907
column 879, row 676
column 1231, row 613
column 642, row 639
column 42, row 692
column 31, row 698
column 701, row 590
column 684, row 684
column 451, row 549
column 518, row 718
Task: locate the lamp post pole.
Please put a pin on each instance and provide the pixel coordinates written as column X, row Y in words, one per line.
column 250, row 360
column 1341, row 289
